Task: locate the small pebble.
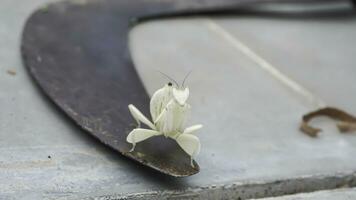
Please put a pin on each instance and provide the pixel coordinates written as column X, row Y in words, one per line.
column 11, row 72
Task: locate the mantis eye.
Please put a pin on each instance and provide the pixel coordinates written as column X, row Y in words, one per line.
column 170, row 84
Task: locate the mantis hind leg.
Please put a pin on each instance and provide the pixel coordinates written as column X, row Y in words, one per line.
column 133, row 147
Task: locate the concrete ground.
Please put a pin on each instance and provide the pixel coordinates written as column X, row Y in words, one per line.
column 252, row 79
column 344, row 194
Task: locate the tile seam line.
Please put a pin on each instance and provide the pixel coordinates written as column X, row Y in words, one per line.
column 264, row 64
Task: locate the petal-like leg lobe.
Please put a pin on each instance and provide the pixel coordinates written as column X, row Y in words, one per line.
column 192, row 129
column 190, row 144
column 139, row 135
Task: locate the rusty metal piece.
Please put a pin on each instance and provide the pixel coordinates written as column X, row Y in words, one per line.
column 347, row 122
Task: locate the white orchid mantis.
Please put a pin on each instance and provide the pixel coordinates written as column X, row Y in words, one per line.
column 169, row 111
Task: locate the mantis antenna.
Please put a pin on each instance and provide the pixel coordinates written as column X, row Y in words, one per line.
column 185, row 78
column 169, row 78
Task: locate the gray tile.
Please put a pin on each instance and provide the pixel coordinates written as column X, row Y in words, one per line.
column 317, row 52
column 344, row 194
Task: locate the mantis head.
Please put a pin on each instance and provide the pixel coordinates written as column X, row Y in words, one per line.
column 181, row 95
column 180, row 92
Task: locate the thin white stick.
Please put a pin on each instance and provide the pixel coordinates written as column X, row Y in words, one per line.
column 237, row 44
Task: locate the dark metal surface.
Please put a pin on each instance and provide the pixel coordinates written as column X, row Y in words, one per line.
column 77, row 53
